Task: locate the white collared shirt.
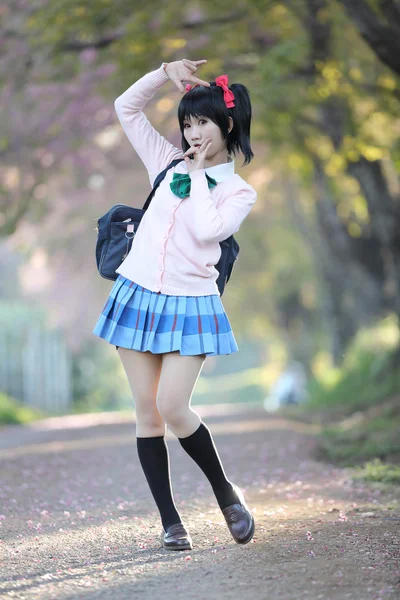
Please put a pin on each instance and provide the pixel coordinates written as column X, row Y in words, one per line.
column 222, row 171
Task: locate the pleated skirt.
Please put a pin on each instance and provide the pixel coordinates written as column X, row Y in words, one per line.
column 137, row 318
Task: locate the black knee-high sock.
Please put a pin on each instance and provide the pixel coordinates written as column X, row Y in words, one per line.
column 200, row 446
column 154, row 458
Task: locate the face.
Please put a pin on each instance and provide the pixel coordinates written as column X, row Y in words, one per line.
column 197, row 129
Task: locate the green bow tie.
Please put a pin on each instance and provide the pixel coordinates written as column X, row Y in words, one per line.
column 180, row 184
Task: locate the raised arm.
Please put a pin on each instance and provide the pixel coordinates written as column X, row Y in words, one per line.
column 153, row 149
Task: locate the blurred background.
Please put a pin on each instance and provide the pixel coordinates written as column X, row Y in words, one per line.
column 314, row 297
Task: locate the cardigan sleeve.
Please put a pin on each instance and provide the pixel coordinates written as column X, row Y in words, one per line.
column 217, row 224
column 153, row 149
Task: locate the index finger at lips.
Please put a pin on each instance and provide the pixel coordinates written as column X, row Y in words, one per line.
column 191, row 150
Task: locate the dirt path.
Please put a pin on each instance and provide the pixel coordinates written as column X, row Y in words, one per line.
column 77, row 519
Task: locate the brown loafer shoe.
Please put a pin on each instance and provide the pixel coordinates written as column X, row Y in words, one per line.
column 176, row 538
column 239, row 519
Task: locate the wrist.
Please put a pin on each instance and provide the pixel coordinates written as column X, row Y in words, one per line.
column 164, row 66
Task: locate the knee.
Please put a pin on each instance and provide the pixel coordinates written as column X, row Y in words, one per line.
column 149, row 422
column 170, row 411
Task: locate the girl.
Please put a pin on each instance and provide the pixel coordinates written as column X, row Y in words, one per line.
column 164, row 312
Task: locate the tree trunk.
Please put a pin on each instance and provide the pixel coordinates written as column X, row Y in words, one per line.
column 382, row 37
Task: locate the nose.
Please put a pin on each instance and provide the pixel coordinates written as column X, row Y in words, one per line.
column 195, row 137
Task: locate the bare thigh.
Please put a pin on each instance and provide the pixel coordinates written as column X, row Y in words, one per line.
column 179, row 375
column 143, row 370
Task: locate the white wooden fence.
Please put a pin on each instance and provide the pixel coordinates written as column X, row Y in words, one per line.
column 35, row 366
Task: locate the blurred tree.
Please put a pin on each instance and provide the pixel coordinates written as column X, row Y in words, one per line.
column 379, row 24
column 321, row 244
column 44, row 120
column 331, row 136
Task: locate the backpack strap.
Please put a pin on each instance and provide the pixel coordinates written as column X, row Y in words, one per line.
column 159, row 179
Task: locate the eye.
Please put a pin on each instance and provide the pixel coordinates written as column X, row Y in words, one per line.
column 202, row 120
column 185, row 125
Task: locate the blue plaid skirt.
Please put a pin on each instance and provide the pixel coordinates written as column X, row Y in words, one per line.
column 137, row 318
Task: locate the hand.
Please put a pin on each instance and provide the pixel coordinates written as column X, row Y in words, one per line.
column 182, row 70
column 199, row 156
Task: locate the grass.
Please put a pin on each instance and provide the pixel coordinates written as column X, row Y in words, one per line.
column 358, row 406
column 12, row 413
column 364, row 436
column 377, row 471
column 359, row 386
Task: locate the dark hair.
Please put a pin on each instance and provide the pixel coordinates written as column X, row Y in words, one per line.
column 202, row 101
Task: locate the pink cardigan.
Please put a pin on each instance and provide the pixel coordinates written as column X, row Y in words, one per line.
column 177, row 244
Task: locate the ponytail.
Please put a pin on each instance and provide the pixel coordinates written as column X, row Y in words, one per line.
column 239, row 137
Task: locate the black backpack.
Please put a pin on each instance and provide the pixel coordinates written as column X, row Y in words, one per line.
column 117, row 228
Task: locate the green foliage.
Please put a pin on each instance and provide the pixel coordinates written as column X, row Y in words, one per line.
column 358, row 404
column 98, row 381
column 368, row 375
column 371, row 438
column 11, row 412
column 358, row 386
column 377, row 471
column 318, row 92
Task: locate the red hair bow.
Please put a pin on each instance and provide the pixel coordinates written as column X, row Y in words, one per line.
column 229, row 98
column 221, row 81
